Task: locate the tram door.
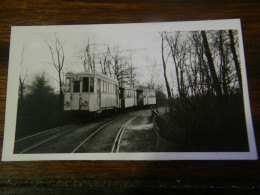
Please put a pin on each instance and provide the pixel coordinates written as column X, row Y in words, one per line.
column 99, row 92
column 121, row 97
column 75, row 102
column 140, row 97
column 116, row 88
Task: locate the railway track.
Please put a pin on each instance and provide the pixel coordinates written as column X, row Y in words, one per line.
column 96, row 131
column 116, row 145
column 54, row 133
column 116, row 140
column 24, row 145
column 37, row 142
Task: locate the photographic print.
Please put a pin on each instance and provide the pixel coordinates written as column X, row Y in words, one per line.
column 140, row 91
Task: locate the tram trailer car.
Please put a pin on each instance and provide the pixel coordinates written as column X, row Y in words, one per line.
column 90, row 92
column 149, row 97
column 127, row 97
column 145, row 97
column 98, row 92
column 132, row 97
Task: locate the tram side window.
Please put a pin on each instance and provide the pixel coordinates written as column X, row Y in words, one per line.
column 68, row 85
column 76, row 86
column 85, row 87
column 91, row 84
column 128, row 93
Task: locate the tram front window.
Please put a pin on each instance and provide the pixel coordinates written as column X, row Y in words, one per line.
column 68, row 85
column 85, row 87
column 76, row 86
column 91, row 84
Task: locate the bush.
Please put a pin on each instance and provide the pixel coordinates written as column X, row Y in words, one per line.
column 38, row 109
column 207, row 123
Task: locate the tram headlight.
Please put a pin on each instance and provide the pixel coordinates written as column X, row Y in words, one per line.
column 67, row 103
column 84, row 103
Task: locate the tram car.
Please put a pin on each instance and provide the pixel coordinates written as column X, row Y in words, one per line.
column 145, row 97
column 90, row 92
column 134, row 97
column 149, row 97
column 98, row 92
column 127, row 97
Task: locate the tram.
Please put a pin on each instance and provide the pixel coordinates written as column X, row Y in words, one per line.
column 98, row 92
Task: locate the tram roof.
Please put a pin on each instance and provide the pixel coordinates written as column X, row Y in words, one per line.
column 137, row 88
column 96, row 75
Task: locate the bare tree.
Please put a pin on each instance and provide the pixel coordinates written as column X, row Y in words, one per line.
column 163, row 34
column 153, row 73
column 131, row 71
column 179, row 51
column 105, row 62
column 117, row 65
column 22, row 79
column 88, row 57
column 235, row 58
column 223, row 61
column 57, row 57
column 121, row 67
column 216, row 83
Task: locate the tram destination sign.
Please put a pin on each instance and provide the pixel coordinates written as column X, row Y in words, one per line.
column 136, row 91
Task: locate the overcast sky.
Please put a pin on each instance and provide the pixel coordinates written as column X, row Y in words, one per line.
column 143, row 36
column 145, row 40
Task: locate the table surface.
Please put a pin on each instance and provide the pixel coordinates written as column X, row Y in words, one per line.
column 158, row 173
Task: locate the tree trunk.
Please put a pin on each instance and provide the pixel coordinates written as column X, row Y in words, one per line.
column 237, row 64
column 223, row 63
column 164, row 71
column 213, row 73
column 61, row 94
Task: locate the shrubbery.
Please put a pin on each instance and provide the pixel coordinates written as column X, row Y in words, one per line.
column 207, row 123
column 38, row 108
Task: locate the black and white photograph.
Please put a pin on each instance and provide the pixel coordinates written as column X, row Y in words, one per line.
column 136, row 91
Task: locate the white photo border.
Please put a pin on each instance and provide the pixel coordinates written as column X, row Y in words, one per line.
column 12, row 100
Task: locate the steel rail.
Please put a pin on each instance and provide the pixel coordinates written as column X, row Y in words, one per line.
column 95, row 133
column 116, row 145
column 49, row 138
column 41, row 142
column 24, row 138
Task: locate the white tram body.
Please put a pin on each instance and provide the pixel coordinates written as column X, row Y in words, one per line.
column 132, row 97
column 149, row 97
column 145, row 97
column 90, row 92
column 127, row 97
column 98, row 92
